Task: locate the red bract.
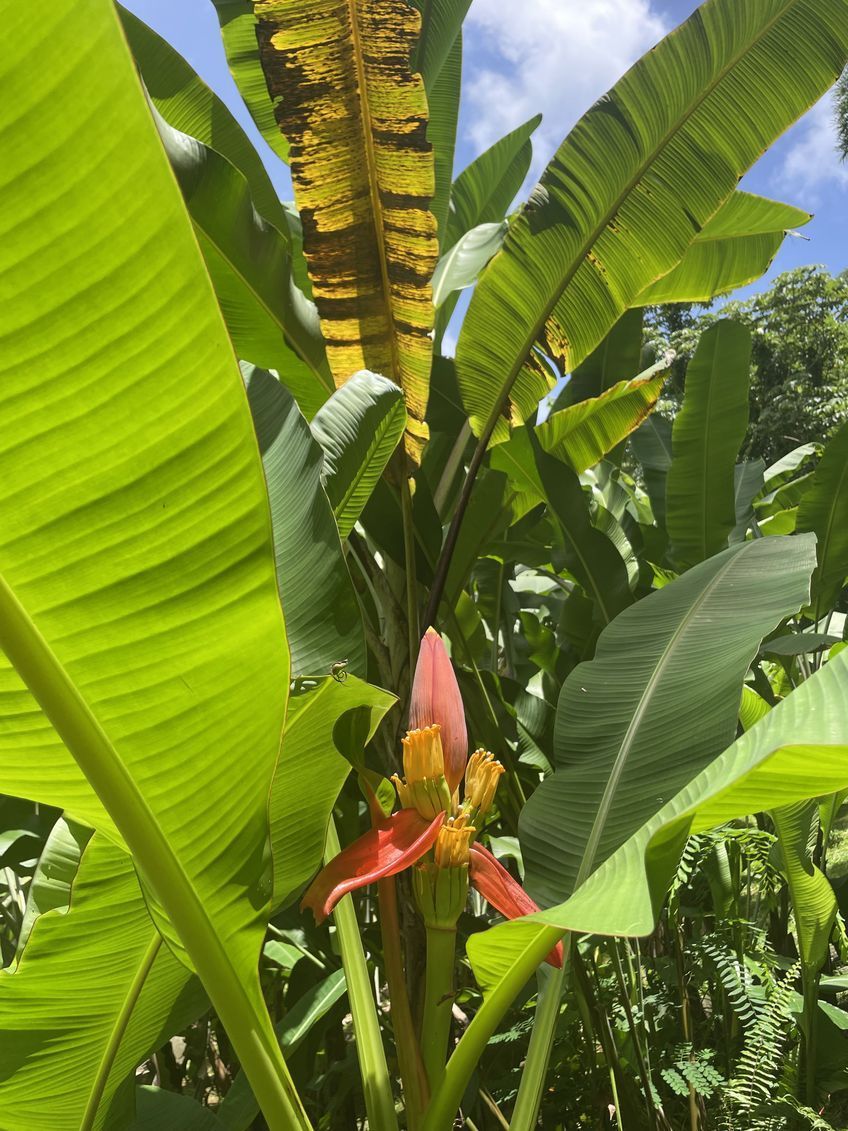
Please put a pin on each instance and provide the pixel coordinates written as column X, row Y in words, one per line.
column 497, row 887
column 385, row 850
column 436, row 699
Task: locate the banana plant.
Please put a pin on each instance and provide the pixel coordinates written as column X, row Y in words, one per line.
column 208, row 572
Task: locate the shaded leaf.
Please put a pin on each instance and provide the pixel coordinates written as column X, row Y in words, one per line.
column 652, row 447
column 243, row 37
column 358, row 429
column 50, row 888
column 462, row 263
column 188, row 104
column 323, row 619
column 270, row 321
column 138, row 591
column 239, row 1108
column 707, row 434
column 110, row 989
column 299, row 815
column 583, row 433
column 747, row 484
column 616, row 359
column 658, row 702
column 824, row 510
column 799, row 750
column 443, row 101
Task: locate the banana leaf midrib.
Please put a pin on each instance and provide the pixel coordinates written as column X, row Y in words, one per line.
column 538, row 327
column 374, row 185
column 605, row 804
column 119, row 1029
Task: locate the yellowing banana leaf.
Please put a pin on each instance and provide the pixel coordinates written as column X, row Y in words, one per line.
column 356, row 120
column 734, row 248
column 584, row 433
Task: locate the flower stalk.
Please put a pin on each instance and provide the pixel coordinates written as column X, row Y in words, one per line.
column 444, row 798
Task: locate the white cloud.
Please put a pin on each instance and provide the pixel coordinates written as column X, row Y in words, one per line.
column 553, row 56
column 813, row 160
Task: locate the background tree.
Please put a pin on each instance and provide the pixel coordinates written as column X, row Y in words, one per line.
column 842, row 114
column 799, row 363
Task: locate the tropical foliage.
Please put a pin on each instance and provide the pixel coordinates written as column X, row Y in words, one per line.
column 379, row 747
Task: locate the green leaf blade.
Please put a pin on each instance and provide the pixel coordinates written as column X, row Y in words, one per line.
column 630, row 188
column 657, row 703
column 707, row 434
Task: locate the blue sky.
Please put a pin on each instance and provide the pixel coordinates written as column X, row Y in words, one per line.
column 558, row 56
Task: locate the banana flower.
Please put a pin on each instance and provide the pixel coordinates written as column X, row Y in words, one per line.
column 432, row 829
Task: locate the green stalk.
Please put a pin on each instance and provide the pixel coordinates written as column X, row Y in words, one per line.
column 412, row 1073
column 438, row 1002
column 248, row 1027
column 656, row 1115
column 526, row 1112
column 411, row 579
column 376, row 1085
column 810, row 985
column 448, row 1096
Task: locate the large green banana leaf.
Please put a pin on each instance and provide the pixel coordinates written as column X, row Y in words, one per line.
column 96, row 991
column 824, row 510
column 323, row 618
column 656, row 704
column 633, row 184
column 188, row 104
column 319, row 716
column 708, row 432
column 797, row 751
column 736, row 247
column 139, row 605
column 270, row 321
column 358, row 429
